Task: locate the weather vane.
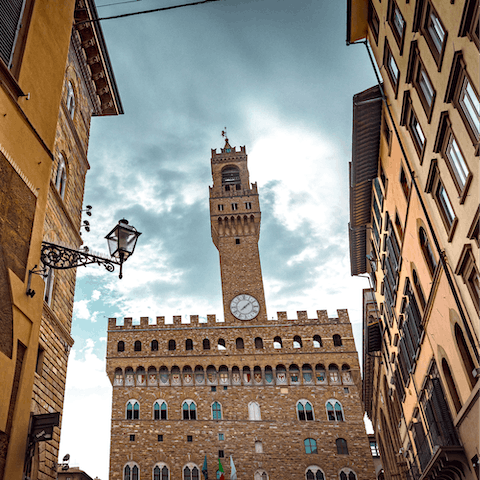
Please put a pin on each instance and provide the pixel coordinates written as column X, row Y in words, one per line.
column 224, row 134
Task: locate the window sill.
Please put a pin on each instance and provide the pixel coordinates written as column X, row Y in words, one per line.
column 9, row 82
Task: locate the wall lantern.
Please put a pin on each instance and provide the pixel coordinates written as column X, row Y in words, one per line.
column 121, row 242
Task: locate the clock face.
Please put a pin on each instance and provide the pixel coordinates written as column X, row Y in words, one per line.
column 244, row 307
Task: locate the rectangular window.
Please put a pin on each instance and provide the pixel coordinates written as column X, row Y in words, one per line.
column 434, row 33
column 40, row 358
column 234, row 206
column 220, row 208
column 374, row 448
column 189, row 438
column 445, row 205
column 237, row 241
column 132, row 438
column 470, row 105
column 378, row 216
column 417, row 134
column 391, row 68
column 462, row 93
column 398, row 224
column 417, row 75
column 248, row 205
column 446, row 144
column 378, row 189
column 213, row 389
column 221, row 436
column 221, row 454
column 468, row 270
column 404, row 183
column 387, row 133
column 160, row 438
column 397, row 23
column 373, row 21
column 469, row 26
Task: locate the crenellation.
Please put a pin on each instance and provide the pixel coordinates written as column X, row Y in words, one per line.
column 144, row 322
column 302, row 315
column 177, row 320
column 194, row 319
column 160, row 321
column 127, row 322
column 211, row 318
column 282, row 316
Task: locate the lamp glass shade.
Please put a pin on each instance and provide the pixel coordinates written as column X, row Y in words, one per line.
column 122, row 240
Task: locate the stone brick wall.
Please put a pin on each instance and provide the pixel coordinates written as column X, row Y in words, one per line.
column 281, row 433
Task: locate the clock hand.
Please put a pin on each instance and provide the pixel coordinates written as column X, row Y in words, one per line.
column 243, row 308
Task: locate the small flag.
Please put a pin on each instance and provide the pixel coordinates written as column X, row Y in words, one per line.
column 204, row 469
column 233, row 470
column 220, row 469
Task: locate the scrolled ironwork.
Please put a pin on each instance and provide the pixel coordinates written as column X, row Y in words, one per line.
column 63, row 258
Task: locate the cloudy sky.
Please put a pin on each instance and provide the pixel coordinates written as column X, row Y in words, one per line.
column 278, row 75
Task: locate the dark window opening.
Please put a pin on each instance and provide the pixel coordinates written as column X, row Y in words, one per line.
column 137, row 346
column 154, row 345
column 172, row 345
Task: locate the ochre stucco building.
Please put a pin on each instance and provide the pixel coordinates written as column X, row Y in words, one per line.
column 52, row 80
column 280, row 396
column 414, row 229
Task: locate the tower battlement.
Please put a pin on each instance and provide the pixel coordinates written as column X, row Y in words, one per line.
column 211, row 319
column 227, row 150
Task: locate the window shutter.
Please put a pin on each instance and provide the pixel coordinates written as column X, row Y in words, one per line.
column 10, row 16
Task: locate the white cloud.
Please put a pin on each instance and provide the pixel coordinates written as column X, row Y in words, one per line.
column 96, row 295
column 80, row 309
column 87, row 413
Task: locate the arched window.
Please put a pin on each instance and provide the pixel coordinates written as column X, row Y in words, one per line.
column 258, row 446
column 188, row 344
column 133, row 410
column 260, row 475
column 189, row 410
column 281, row 374
column 191, row 472
column 310, row 445
column 337, row 340
column 254, row 411
column 175, row 375
column 418, row 289
column 314, row 473
column 427, row 251
column 258, row 343
column 118, row 377
column 304, row 410
column 137, row 346
column 216, row 411
column 347, row 474
column 465, row 354
column 334, row 411
column 230, row 176
column 277, row 342
column 221, row 344
column 317, row 341
column 297, row 342
column 70, row 100
column 131, row 471
column 172, row 345
column 187, row 375
column 239, row 344
column 121, row 346
column 160, row 411
column 342, row 447
column 160, row 472
column 451, row 385
column 206, row 344
column 333, row 373
column 257, row 375
column 154, row 345
column 61, row 177
column 236, row 376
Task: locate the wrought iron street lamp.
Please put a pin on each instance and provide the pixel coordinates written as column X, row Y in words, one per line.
column 121, row 242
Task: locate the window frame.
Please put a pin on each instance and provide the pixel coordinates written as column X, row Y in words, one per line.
column 456, row 82
column 387, row 56
column 470, row 18
column 342, row 446
column 423, row 12
column 416, row 69
column 189, row 410
column 407, row 119
column 399, row 36
column 436, row 186
column 216, row 409
column 467, row 268
column 445, row 137
column 160, row 404
column 306, row 418
column 374, row 27
column 311, row 443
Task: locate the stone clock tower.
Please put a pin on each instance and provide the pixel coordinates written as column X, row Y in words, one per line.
column 235, row 221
